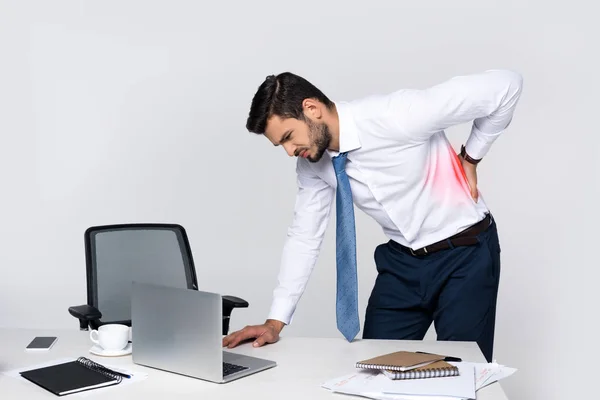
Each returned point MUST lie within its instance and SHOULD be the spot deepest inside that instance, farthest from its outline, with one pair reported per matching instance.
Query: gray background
(128, 111)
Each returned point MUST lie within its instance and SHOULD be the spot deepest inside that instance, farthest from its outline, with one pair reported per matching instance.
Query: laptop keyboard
(229, 369)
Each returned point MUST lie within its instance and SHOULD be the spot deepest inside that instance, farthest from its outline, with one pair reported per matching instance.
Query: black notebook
(72, 377)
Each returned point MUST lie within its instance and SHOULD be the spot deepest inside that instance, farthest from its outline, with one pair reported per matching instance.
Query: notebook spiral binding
(420, 374)
(378, 367)
(99, 368)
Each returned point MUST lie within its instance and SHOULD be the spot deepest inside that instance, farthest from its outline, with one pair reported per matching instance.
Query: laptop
(180, 330)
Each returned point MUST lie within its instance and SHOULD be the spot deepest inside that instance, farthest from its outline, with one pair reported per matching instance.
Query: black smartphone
(41, 343)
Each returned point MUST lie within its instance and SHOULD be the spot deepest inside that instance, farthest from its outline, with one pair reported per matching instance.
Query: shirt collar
(348, 132)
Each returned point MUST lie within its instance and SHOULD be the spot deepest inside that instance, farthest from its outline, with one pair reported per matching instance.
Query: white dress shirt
(403, 171)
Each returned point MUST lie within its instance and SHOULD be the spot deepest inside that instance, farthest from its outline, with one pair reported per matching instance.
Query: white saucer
(99, 351)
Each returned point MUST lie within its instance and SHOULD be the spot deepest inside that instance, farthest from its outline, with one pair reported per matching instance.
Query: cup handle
(92, 336)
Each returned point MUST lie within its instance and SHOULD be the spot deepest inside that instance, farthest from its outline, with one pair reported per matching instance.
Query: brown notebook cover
(399, 361)
(437, 369)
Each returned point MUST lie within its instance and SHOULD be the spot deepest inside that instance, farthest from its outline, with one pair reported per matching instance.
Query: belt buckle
(415, 254)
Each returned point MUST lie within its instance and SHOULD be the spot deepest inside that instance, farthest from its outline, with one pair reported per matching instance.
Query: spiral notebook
(73, 376)
(399, 361)
(436, 369)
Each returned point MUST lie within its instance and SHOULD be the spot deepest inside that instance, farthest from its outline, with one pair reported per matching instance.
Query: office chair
(116, 255)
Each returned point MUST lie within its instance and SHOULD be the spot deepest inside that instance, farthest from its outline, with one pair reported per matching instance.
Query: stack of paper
(375, 385)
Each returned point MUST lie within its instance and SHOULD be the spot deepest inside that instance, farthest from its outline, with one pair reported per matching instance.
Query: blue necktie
(347, 282)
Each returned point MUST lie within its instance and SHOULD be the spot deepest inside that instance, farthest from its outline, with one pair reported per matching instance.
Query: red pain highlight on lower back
(459, 172)
(447, 179)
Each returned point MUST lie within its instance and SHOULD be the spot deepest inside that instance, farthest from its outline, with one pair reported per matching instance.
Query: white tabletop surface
(304, 364)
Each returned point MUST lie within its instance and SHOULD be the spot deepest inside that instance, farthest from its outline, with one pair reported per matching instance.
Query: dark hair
(281, 95)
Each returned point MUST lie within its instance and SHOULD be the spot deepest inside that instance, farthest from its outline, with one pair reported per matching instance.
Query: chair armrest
(85, 313)
(229, 303)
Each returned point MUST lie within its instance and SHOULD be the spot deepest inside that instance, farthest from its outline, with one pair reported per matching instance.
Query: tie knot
(339, 162)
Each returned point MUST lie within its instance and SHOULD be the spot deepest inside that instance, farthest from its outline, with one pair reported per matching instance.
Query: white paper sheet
(374, 382)
(362, 383)
(486, 374)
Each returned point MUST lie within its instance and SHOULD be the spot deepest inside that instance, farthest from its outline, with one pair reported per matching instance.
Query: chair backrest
(117, 255)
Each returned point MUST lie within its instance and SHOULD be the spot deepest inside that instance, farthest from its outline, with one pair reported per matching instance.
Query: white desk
(303, 365)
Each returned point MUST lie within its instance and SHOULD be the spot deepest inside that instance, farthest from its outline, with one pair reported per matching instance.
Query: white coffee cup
(111, 337)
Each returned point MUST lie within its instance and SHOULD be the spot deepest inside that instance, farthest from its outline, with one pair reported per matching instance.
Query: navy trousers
(456, 289)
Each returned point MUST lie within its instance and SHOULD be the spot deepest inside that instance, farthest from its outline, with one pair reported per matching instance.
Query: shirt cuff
(478, 144)
(282, 310)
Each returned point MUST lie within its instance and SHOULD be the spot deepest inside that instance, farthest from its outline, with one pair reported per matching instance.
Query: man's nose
(289, 149)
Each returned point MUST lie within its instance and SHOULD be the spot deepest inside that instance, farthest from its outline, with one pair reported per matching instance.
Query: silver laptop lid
(177, 330)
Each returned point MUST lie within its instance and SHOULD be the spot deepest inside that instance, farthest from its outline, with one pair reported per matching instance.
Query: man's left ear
(312, 108)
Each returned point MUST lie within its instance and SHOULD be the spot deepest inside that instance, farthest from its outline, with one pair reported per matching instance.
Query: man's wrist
(467, 157)
(278, 325)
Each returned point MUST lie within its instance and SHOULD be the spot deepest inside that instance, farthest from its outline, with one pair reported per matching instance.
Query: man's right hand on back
(265, 333)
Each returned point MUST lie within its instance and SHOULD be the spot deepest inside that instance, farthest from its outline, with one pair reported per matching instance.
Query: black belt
(468, 237)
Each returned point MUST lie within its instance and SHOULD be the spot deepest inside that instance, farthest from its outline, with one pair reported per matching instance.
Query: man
(390, 156)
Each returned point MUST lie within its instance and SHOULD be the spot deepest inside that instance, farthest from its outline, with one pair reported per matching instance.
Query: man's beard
(320, 137)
